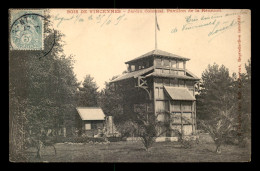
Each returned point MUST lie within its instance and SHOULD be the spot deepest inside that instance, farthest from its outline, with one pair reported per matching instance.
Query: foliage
(220, 127)
(216, 92)
(127, 128)
(42, 91)
(221, 95)
(147, 128)
(79, 139)
(110, 100)
(87, 95)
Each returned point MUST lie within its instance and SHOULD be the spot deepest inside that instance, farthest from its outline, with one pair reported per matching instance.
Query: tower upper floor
(163, 62)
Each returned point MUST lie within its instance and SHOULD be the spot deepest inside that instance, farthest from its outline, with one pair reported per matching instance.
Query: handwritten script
(102, 19)
(75, 18)
(216, 24)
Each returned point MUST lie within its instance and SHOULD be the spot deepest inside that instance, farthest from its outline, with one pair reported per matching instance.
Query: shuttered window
(158, 62)
(181, 73)
(175, 106)
(180, 63)
(189, 84)
(166, 81)
(181, 83)
(186, 105)
(173, 63)
(161, 93)
(166, 62)
(159, 106)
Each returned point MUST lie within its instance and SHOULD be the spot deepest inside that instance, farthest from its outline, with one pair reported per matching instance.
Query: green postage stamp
(26, 29)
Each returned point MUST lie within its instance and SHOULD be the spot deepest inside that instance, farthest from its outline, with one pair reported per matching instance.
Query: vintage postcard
(129, 85)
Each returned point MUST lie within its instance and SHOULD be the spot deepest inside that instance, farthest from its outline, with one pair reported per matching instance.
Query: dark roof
(159, 53)
(179, 93)
(133, 74)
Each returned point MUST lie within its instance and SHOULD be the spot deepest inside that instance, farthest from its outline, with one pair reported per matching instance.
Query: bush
(114, 139)
(79, 139)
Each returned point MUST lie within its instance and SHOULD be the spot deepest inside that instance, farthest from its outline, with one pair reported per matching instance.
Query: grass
(128, 151)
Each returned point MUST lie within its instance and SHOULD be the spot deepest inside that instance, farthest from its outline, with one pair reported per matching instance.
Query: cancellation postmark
(26, 29)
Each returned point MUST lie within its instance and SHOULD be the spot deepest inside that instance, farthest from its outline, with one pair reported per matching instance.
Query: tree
(219, 127)
(223, 104)
(110, 100)
(41, 91)
(215, 104)
(216, 93)
(88, 94)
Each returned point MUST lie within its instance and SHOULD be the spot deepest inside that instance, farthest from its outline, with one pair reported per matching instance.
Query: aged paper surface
(63, 62)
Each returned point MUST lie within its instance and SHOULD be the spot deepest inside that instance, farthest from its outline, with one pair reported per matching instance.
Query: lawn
(128, 151)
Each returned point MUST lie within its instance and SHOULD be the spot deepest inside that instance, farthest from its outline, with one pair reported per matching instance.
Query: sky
(102, 41)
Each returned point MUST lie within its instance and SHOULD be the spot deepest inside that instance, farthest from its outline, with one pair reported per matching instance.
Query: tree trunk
(54, 149)
(39, 146)
(64, 131)
(218, 150)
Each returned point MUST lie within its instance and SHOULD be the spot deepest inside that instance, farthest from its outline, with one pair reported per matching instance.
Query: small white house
(91, 117)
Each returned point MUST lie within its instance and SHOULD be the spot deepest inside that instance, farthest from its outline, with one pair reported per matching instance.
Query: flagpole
(155, 30)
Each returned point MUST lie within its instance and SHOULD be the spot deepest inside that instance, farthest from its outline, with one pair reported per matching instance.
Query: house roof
(172, 76)
(179, 93)
(91, 113)
(159, 53)
(133, 74)
(190, 73)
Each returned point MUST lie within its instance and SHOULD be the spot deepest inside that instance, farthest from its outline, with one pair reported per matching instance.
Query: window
(147, 64)
(189, 84)
(174, 72)
(87, 126)
(174, 82)
(187, 117)
(175, 105)
(166, 106)
(186, 106)
(159, 106)
(132, 67)
(136, 67)
(166, 82)
(162, 106)
(158, 62)
(143, 65)
(176, 118)
(158, 71)
(166, 71)
(180, 64)
(181, 73)
(156, 93)
(166, 62)
(158, 81)
(161, 93)
(181, 83)
(173, 63)
(128, 67)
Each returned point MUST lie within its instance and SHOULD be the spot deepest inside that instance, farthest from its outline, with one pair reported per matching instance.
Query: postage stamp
(26, 29)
